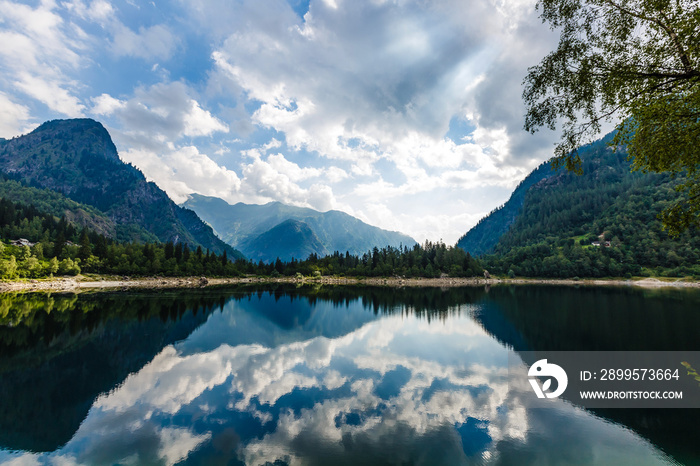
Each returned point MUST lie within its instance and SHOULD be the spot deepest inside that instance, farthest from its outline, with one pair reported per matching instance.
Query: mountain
(482, 238)
(602, 223)
(56, 204)
(486, 233)
(280, 240)
(78, 160)
(255, 228)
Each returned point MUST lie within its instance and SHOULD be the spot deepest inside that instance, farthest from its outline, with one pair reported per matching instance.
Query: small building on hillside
(21, 242)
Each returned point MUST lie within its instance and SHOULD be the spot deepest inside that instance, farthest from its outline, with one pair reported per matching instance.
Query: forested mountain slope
(78, 159)
(563, 215)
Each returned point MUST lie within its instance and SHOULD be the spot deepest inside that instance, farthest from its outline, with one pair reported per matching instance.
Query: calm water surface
(326, 375)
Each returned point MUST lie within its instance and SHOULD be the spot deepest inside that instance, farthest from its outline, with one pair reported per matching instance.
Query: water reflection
(318, 376)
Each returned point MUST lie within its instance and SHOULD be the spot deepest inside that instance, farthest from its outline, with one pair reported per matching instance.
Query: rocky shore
(81, 283)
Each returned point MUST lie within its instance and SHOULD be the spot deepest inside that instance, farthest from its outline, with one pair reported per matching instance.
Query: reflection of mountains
(281, 314)
(393, 391)
(59, 352)
(548, 318)
(54, 364)
(62, 351)
(545, 318)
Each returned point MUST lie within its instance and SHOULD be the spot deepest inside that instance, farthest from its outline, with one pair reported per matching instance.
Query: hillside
(563, 215)
(77, 159)
(482, 238)
(485, 234)
(290, 238)
(249, 227)
(56, 204)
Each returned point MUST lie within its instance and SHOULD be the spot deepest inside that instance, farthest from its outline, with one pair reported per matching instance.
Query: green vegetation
(76, 160)
(56, 204)
(564, 214)
(484, 235)
(56, 247)
(639, 59)
(430, 260)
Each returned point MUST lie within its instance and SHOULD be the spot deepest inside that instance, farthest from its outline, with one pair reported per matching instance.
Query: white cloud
(335, 174)
(41, 49)
(373, 72)
(105, 104)
(13, 117)
(183, 171)
(167, 109)
(176, 444)
(293, 171)
(155, 42)
(366, 90)
(264, 181)
(39, 37)
(199, 122)
(364, 83)
(98, 10)
(438, 226)
(51, 93)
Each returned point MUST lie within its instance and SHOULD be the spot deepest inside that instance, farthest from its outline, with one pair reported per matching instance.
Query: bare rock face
(203, 281)
(487, 275)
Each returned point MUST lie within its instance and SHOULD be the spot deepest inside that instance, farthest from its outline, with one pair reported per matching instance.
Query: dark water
(326, 376)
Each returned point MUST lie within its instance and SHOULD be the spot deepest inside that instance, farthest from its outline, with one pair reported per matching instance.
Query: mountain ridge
(78, 159)
(604, 222)
(241, 224)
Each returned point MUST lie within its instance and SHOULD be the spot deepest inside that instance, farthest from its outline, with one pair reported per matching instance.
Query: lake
(327, 375)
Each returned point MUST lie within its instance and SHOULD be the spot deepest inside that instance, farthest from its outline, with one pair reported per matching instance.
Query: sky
(406, 114)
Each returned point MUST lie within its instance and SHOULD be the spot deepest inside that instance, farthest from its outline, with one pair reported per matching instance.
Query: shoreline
(80, 283)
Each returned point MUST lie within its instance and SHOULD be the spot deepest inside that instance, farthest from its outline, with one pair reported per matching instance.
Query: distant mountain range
(602, 223)
(275, 230)
(71, 167)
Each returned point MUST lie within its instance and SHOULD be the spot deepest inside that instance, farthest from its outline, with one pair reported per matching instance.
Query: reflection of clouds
(171, 381)
(176, 444)
(256, 375)
(398, 389)
(28, 459)
(475, 391)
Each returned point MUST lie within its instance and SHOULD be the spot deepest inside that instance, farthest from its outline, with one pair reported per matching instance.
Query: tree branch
(682, 54)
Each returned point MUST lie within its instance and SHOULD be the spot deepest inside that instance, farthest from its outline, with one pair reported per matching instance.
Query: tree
(638, 60)
(85, 247)
(53, 266)
(59, 244)
(101, 246)
(8, 268)
(169, 250)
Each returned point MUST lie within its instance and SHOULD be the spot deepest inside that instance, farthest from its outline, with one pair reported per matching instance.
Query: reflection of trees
(59, 352)
(546, 318)
(428, 302)
(32, 320)
(550, 318)
(64, 350)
